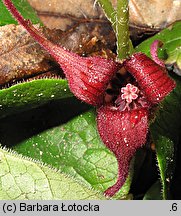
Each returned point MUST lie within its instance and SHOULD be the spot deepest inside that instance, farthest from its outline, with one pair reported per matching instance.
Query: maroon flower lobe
(87, 76)
(152, 79)
(123, 133)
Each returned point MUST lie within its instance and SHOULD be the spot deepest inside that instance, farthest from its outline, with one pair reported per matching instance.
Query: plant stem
(109, 11)
(122, 29)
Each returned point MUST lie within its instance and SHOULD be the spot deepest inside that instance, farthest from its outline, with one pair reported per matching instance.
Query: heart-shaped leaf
(22, 178)
(77, 150)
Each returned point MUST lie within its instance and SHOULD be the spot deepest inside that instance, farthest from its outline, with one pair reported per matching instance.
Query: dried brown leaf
(146, 17)
(154, 13)
(62, 14)
(20, 55)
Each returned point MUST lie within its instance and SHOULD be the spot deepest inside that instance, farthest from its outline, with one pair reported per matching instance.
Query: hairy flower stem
(119, 19)
(109, 11)
(122, 29)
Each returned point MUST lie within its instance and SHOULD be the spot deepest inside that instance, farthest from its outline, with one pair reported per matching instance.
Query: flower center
(129, 93)
(127, 98)
(124, 94)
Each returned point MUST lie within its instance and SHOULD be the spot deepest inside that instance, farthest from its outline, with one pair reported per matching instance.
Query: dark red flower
(123, 119)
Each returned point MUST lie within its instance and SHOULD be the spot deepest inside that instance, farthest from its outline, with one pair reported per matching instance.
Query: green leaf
(165, 155)
(22, 178)
(23, 7)
(171, 49)
(174, 57)
(165, 129)
(76, 149)
(154, 192)
(32, 94)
